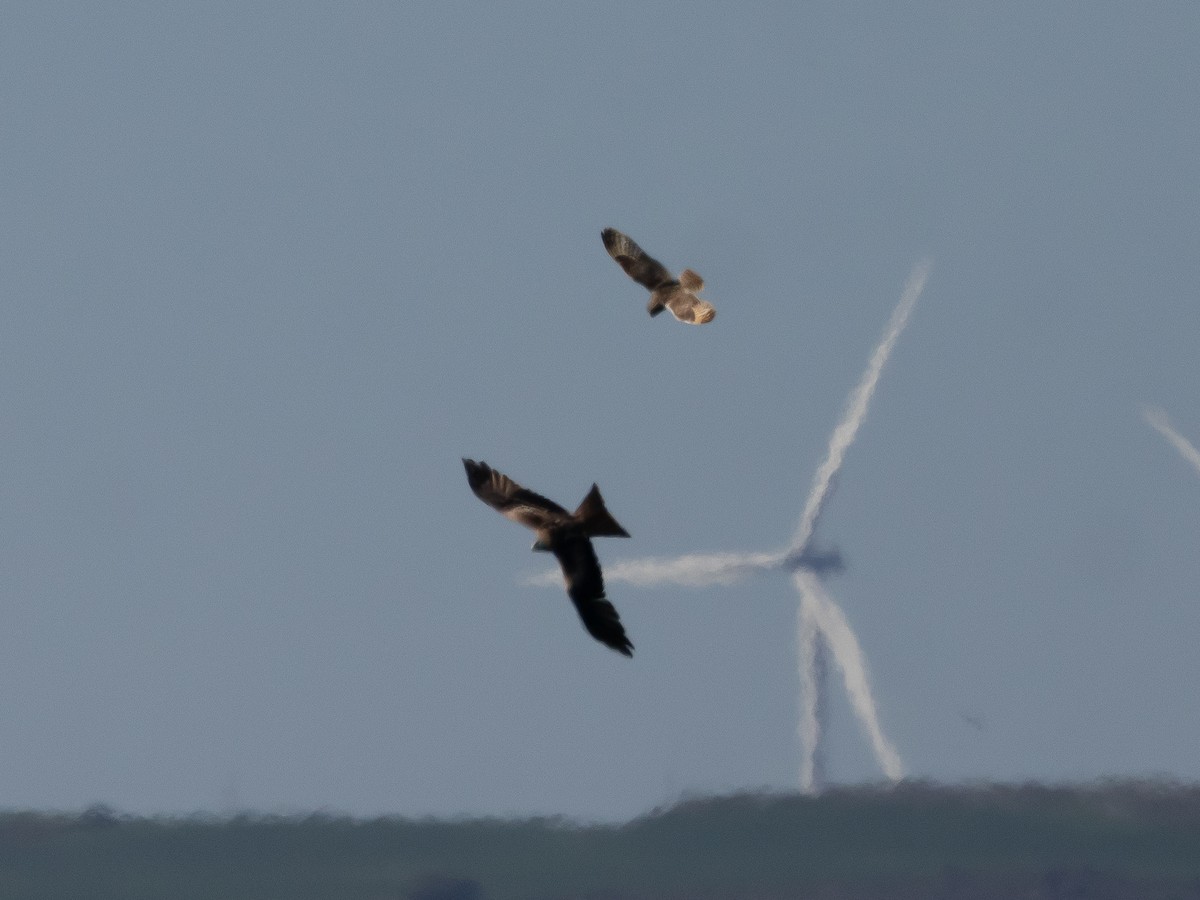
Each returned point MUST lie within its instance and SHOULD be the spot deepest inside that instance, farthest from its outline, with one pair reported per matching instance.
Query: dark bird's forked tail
(595, 518)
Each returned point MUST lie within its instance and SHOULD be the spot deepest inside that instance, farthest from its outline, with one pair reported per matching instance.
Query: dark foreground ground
(1135, 840)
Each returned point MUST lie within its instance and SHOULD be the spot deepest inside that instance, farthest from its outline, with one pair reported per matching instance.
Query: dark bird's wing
(585, 587)
(638, 265)
(511, 500)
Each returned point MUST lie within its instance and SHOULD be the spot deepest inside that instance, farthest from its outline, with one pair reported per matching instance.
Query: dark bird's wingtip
(477, 472)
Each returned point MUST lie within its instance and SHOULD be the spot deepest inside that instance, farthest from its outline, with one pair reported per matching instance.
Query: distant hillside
(1111, 842)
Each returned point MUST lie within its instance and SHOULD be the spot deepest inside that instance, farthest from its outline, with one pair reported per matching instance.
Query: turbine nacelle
(820, 562)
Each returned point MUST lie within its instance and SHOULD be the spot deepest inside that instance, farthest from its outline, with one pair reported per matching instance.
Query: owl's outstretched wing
(637, 263)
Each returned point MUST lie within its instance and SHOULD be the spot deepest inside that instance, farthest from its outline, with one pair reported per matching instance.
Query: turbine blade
(1157, 419)
(856, 410)
(691, 570)
(848, 654)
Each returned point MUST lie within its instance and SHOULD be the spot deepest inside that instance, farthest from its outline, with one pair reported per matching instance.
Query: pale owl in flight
(676, 294)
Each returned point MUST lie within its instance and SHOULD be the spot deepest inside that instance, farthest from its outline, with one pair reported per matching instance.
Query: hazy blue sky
(270, 270)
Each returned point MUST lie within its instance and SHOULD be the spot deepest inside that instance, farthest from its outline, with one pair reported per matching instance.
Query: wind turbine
(820, 622)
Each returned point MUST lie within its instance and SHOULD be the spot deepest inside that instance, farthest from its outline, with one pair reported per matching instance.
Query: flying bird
(567, 536)
(676, 294)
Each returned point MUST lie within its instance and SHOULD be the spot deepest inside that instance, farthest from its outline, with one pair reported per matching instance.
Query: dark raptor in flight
(567, 536)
